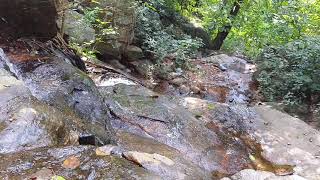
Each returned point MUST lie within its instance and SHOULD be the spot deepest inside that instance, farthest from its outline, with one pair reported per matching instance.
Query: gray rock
(116, 64)
(26, 165)
(123, 16)
(76, 27)
(134, 53)
(143, 67)
(155, 163)
(63, 86)
(163, 120)
(26, 123)
(181, 169)
(225, 62)
(250, 174)
(110, 48)
(286, 140)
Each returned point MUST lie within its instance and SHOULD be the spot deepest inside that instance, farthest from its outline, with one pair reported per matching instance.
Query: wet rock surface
(163, 120)
(284, 139)
(288, 140)
(219, 78)
(59, 84)
(26, 123)
(182, 168)
(226, 79)
(51, 104)
(27, 164)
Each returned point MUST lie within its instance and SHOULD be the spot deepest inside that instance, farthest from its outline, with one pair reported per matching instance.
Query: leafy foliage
(260, 23)
(291, 72)
(163, 41)
(94, 16)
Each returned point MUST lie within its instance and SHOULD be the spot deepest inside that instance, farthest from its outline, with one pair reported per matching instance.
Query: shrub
(291, 73)
(163, 41)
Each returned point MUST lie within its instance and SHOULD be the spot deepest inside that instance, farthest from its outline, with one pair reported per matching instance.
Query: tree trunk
(222, 35)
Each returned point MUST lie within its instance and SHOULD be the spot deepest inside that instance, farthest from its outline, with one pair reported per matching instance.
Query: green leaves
(163, 41)
(260, 23)
(290, 73)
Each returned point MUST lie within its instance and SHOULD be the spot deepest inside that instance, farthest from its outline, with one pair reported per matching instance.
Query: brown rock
(162, 87)
(178, 81)
(71, 163)
(195, 89)
(183, 89)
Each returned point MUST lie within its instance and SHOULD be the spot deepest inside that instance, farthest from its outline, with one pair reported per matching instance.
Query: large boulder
(53, 81)
(288, 140)
(76, 27)
(283, 139)
(140, 111)
(29, 18)
(26, 123)
(159, 158)
(123, 16)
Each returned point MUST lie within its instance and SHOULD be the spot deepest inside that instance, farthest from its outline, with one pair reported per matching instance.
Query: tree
(222, 35)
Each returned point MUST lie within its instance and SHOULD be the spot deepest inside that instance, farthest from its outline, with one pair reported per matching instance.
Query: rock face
(156, 163)
(26, 123)
(76, 27)
(122, 15)
(63, 86)
(288, 140)
(26, 18)
(284, 139)
(158, 118)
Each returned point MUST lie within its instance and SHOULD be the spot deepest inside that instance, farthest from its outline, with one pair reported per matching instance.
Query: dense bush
(291, 73)
(163, 41)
